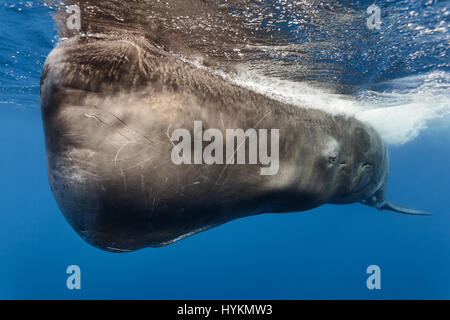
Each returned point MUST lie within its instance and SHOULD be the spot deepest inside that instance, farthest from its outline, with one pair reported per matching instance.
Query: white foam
(398, 116)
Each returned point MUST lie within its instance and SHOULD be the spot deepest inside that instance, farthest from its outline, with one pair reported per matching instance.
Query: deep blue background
(322, 254)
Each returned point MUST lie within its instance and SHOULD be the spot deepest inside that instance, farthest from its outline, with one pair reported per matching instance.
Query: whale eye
(330, 152)
(332, 159)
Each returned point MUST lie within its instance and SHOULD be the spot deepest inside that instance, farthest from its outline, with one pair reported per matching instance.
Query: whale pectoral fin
(387, 205)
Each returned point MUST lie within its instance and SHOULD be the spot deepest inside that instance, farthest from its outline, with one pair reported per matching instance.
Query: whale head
(361, 163)
(363, 172)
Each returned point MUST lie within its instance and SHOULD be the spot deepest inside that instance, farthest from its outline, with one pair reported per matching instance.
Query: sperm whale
(110, 103)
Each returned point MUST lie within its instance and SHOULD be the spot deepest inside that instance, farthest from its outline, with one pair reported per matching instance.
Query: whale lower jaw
(379, 201)
(391, 206)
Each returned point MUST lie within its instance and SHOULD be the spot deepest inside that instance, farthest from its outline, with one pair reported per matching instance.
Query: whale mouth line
(362, 180)
(378, 200)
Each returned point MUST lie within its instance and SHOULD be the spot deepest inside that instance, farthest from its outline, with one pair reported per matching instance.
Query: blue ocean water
(320, 254)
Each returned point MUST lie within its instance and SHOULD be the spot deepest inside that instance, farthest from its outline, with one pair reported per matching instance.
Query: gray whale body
(109, 102)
